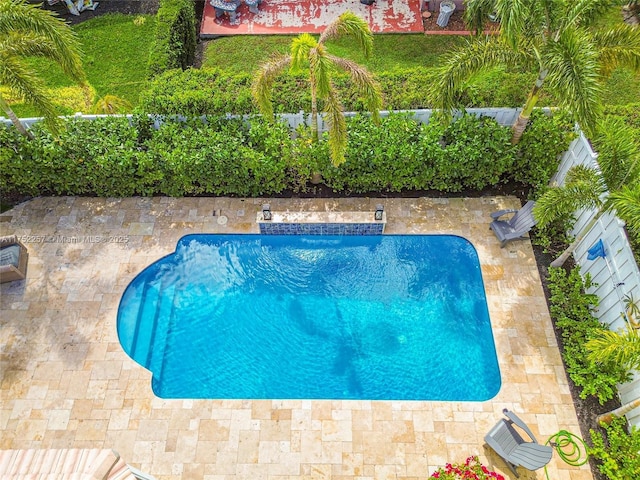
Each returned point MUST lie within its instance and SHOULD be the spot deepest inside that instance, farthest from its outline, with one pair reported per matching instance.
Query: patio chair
(513, 449)
(13, 259)
(516, 227)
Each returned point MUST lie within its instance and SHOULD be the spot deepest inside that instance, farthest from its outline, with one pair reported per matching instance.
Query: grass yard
(390, 52)
(115, 55)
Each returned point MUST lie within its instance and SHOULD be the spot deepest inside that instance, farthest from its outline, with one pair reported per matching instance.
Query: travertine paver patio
(67, 383)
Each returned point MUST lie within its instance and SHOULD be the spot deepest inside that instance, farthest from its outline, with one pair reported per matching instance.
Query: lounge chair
(517, 226)
(73, 463)
(13, 259)
(513, 449)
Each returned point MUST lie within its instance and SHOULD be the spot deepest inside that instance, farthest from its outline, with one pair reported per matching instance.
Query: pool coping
(66, 383)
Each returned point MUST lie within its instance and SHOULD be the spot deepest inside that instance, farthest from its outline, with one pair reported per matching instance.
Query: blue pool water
(313, 317)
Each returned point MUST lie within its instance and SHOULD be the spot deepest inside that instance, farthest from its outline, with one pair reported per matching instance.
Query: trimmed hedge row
(213, 92)
(571, 309)
(175, 41)
(113, 158)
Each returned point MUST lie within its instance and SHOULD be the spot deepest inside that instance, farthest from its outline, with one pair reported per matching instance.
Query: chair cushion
(10, 255)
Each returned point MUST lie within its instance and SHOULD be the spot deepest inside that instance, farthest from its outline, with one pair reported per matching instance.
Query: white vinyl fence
(617, 274)
(504, 116)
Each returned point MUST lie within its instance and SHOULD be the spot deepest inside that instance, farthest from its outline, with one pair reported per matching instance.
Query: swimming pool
(313, 317)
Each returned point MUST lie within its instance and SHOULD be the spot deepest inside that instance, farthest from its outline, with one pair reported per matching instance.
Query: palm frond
(477, 55)
(515, 16)
(583, 12)
(621, 348)
(582, 189)
(18, 76)
(618, 47)
(111, 104)
(22, 18)
(573, 67)
(262, 86)
(618, 153)
(321, 68)
(28, 45)
(477, 13)
(337, 127)
(626, 203)
(349, 24)
(300, 48)
(365, 84)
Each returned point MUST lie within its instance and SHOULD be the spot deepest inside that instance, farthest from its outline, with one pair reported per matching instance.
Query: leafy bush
(402, 154)
(87, 158)
(116, 156)
(472, 469)
(220, 158)
(571, 309)
(213, 91)
(617, 452)
(175, 40)
(543, 142)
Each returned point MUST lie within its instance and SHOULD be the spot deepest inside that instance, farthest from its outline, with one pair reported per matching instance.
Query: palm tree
(549, 38)
(586, 187)
(28, 31)
(312, 54)
(622, 348)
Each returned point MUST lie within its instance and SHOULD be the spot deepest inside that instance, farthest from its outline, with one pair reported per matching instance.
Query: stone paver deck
(66, 382)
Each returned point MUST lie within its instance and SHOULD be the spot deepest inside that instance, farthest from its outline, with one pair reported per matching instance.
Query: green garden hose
(571, 449)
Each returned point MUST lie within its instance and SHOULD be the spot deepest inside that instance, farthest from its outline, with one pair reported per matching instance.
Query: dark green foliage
(175, 40)
(221, 157)
(629, 113)
(543, 142)
(571, 308)
(617, 452)
(116, 156)
(400, 154)
(215, 92)
(88, 157)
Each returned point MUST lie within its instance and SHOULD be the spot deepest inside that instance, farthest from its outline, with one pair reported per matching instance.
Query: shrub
(116, 156)
(472, 469)
(543, 142)
(616, 453)
(571, 309)
(175, 41)
(214, 92)
(401, 154)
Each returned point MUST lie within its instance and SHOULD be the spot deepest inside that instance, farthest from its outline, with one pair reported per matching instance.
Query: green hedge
(175, 41)
(571, 308)
(113, 157)
(214, 92)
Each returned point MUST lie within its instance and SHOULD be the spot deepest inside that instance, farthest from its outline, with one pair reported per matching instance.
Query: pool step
(144, 328)
(158, 341)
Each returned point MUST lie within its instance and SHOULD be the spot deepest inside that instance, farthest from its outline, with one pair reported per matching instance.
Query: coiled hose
(570, 448)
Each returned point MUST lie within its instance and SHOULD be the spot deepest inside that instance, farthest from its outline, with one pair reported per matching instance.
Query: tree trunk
(618, 412)
(523, 119)
(314, 109)
(14, 119)
(558, 262)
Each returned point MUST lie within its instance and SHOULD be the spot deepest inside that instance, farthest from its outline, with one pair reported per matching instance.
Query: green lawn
(390, 52)
(115, 54)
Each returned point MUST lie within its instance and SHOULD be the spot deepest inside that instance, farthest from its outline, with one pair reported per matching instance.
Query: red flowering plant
(472, 469)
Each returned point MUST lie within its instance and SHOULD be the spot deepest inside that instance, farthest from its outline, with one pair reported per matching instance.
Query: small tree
(28, 31)
(587, 187)
(550, 39)
(309, 53)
